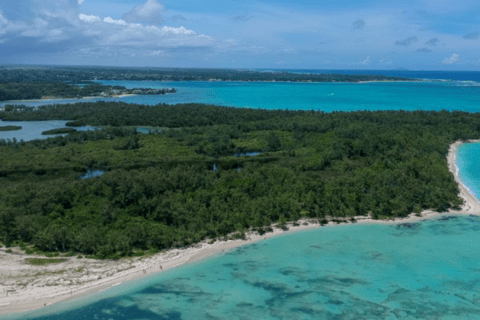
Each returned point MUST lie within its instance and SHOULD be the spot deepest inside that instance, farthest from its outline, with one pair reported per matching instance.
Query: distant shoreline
(60, 99)
(111, 273)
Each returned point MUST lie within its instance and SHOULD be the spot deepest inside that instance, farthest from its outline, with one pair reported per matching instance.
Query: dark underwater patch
(346, 282)
(408, 225)
(291, 271)
(244, 304)
(115, 311)
(448, 218)
(309, 311)
(335, 302)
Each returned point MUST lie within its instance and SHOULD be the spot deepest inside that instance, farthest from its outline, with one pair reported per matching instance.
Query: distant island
(58, 90)
(82, 75)
(10, 128)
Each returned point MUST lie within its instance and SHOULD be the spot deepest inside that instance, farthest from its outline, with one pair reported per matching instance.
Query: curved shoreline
(55, 285)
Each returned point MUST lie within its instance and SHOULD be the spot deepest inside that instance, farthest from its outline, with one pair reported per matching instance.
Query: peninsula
(12, 91)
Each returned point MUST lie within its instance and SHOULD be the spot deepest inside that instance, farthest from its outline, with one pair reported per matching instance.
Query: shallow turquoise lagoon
(431, 95)
(424, 270)
(468, 162)
(318, 96)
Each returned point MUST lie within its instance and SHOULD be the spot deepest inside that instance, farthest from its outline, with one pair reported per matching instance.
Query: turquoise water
(431, 95)
(468, 162)
(424, 270)
(409, 271)
(319, 96)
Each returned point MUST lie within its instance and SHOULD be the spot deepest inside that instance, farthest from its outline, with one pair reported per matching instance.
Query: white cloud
(366, 61)
(67, 30)
(87, 18)
(3, 21)
(149, 12)
(112, 21)
(80, 2)
(120, 33)
(452, 60)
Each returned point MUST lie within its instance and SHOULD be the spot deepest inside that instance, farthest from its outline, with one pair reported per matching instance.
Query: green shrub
(138, 253)
(42, 262)
(9, 251)
(59, 131)
(29, 251)
(51, 255)
(79, 256)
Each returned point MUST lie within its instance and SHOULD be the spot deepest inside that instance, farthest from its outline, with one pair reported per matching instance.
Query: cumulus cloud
(424, 50)
(471, 36)
(432, 42)
(452, 60)
(359, 24)
(89, 18)
(68, 31)
(120, 33)
(149, 12)
(406, 42)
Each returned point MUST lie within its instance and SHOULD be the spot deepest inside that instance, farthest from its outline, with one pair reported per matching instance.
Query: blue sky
(301, 34)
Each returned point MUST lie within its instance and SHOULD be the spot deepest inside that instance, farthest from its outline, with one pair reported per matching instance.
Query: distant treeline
(122, 114)
(38, 90)
(86, 74)
(160, 190)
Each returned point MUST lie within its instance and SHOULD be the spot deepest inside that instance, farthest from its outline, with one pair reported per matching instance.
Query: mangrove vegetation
(160, 190)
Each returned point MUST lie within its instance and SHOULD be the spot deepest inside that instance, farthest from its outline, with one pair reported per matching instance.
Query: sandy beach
(24, 287)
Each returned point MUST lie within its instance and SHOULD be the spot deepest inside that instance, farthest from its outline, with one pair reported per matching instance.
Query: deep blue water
(424, 270)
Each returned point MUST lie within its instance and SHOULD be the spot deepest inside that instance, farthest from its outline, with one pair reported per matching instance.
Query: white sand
(24, 287)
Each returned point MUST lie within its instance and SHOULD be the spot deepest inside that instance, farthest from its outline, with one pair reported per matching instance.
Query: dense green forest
(160, 190)
(122, 114)
(39, 90)
(87, 74)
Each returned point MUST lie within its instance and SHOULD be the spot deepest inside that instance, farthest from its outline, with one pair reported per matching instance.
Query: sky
(272, 34)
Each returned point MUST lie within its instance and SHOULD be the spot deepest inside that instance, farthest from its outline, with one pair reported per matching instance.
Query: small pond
(92, 174)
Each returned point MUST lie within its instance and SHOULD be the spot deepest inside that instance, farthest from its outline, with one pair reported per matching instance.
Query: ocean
(422, 270)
